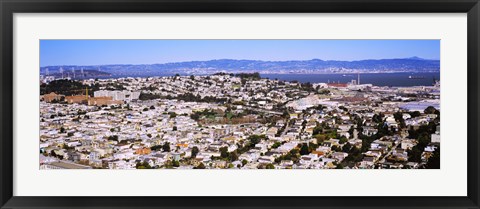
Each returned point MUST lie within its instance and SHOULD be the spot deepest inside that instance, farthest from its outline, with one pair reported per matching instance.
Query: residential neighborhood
(236, 121)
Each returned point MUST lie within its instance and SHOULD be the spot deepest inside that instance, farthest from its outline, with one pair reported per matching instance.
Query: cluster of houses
(116, 129)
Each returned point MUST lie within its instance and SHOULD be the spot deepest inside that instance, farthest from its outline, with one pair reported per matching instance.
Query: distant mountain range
(411, 64)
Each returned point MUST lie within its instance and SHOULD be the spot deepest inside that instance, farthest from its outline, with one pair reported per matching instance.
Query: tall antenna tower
(61, 71)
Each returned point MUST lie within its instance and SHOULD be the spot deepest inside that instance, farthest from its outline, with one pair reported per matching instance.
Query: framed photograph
(239, 104)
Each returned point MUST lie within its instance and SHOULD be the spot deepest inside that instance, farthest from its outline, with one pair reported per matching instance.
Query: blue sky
(100, 52)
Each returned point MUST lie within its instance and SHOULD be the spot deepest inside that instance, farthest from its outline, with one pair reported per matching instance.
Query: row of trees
(67, 87)
(205, 113)
(250, 143)
(165, 147)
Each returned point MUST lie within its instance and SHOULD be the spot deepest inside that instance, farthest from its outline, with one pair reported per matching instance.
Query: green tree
(270, 166)
(415, 154)
(224, 152)
(424, 139)
(415, 114)
(350, 131)
(336, 148)
(166, 147)
(233, 156)
(156, 147)
(113, 138)
(320, 138)
(195, 151)
(355, 155)
(343, 108)
(430, 110)
(317, 130)
(200, 166)
(143, 165)
(312, 147)
(255, 139)
(434, 160)
(377, 118)
(346, 148)
(399, 117)
(195, 116)
(304, 149)
(276, 145)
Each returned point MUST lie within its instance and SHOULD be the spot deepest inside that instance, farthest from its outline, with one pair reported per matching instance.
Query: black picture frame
(9, 7)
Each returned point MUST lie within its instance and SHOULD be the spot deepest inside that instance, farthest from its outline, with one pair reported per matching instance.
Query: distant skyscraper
(358, 79)
(46, 71)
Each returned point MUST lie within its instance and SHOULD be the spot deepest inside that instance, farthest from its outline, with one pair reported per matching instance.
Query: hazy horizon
(412, 57)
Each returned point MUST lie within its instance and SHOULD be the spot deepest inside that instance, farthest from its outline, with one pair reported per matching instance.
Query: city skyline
(105, 52)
